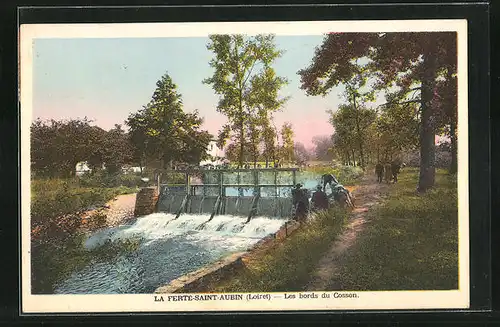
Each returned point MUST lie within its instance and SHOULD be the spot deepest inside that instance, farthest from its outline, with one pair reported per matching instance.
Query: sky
(107, 79)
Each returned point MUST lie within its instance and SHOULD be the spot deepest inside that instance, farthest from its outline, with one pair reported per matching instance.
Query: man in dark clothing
(387, 173)
(319, 199)
(300, 201)
(395, 168)
(328, 179)
(379, 171)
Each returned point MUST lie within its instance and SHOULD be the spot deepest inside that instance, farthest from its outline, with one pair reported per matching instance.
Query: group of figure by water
(304, 203)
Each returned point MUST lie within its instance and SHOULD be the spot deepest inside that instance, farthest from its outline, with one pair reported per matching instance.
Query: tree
(163, 131)
(397, 129)
(57, 146)
(408, 61)
(352, 128)
(245, 91)
(117, 150)
(301, 154)
(269, 136)
(323, 147)
(287, 147)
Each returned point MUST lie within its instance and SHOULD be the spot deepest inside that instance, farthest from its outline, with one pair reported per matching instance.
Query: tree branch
(396, 102)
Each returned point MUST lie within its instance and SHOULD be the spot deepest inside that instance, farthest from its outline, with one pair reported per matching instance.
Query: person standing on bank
(319, 199)
(387, 173)
(395, 168)
(379, 171)
(300, 201)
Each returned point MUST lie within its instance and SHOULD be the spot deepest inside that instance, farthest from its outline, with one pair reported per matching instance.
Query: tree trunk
(358, 130)
(453, 140)
(427, 133)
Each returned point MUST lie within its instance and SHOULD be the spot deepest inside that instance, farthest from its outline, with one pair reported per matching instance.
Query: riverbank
(62, 213)
(409, 242)
(277, 268)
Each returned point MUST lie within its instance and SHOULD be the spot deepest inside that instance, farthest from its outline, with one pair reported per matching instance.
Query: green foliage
(287, 146)
(162, 131)
(278, 269)
(324, 148)
(346, 175)
(411, 242)
(102, 179)
(352, 131)
(402, 65)
(248, 88)
(57, 146)
(51, 199)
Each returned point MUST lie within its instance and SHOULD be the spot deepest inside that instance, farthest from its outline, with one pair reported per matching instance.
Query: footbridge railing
(241, 192)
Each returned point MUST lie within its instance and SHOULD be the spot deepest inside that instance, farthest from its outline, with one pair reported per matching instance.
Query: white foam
(227, 231)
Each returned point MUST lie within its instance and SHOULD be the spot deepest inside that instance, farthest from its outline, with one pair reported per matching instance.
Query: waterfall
(168, 248)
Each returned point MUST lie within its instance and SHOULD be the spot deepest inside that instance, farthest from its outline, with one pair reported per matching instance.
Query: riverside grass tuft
(411, 242)
(288, 265)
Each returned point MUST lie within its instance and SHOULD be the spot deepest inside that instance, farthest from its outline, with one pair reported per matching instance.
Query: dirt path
(120, 209)
(117, 211)
(367, 194)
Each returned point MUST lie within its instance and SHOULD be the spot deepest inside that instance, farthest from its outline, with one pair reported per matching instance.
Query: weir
(236, 192)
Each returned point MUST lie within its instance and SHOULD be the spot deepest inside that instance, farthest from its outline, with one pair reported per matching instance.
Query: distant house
(82, 168)
(216, 156)
(131, 170)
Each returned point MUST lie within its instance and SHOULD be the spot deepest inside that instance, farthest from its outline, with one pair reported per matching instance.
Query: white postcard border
(388, 300)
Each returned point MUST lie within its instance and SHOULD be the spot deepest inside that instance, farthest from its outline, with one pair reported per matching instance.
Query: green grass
(51, 198)
(288, 265)
(57, 248)
(411, 243)
(346, 175)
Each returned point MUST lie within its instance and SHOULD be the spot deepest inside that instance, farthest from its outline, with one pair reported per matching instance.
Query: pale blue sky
(106, 79)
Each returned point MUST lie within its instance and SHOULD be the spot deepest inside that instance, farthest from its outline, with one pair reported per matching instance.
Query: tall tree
(287, 147)
(246, 83)
(163, 131)
(269, 137)
(117, 150)
(408, 61)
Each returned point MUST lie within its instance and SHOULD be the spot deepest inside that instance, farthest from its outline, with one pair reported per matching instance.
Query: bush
(103, 179)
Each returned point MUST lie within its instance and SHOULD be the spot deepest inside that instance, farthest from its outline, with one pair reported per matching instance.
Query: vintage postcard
(250, 166)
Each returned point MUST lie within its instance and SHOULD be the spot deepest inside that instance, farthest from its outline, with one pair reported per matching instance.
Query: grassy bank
(412, 242)
(51, 198)
(346, 175)
(288, 265)
(56, 240)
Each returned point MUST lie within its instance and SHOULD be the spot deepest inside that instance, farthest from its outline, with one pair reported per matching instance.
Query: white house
(82, 168)
(216, 155)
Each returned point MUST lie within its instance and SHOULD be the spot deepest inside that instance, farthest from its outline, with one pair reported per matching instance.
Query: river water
(168, 248)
